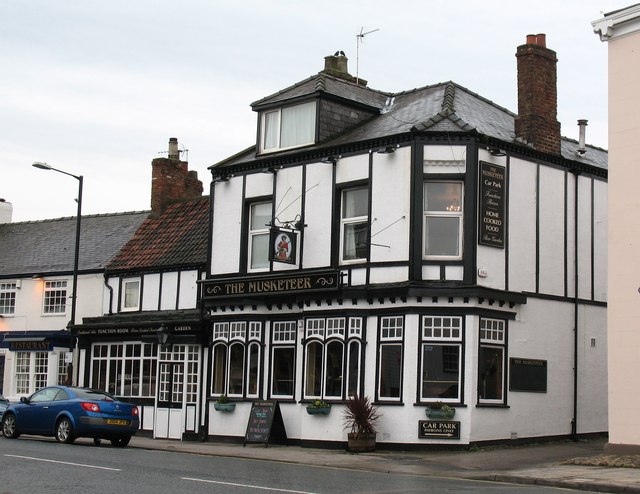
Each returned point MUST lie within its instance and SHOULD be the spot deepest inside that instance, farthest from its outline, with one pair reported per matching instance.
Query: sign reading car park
(438, 429)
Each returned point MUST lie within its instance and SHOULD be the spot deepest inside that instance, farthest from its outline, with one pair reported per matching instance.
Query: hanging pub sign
(283, 246)
(491, 215)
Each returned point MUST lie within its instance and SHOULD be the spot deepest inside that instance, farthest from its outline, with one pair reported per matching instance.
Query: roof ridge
(84, 216)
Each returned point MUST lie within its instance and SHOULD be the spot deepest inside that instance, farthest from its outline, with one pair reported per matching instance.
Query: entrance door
(176, 400)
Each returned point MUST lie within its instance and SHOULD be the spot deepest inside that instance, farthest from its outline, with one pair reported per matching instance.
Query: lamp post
(76, 253)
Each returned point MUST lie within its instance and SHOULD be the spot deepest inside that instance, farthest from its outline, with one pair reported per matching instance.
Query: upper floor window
(354, 225)
(288, 127)
(8, 298)
(443, 216)
(55, 297)
(131, 294)
(491, 361)
(259, 218)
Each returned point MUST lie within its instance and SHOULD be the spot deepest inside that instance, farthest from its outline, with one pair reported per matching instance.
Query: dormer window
(288, 127)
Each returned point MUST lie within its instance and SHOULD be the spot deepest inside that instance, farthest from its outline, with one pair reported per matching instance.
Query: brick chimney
(337, 66)
(537, 122)
(171, 180)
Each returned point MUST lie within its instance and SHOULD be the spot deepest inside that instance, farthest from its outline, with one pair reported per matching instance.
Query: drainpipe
(574, 420)
(110, 288)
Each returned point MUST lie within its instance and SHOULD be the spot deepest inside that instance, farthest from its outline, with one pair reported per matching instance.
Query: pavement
(580, 465)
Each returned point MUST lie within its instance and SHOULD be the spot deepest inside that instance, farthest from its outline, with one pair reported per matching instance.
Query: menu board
(491, 215)
(265, 424)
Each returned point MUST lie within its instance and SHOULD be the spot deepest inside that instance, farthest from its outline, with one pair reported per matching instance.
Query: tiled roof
(48, 246)
(178, 237)
(443, 107)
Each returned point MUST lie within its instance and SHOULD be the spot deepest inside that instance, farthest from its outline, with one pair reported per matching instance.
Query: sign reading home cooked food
(438, 429)
(491, 216)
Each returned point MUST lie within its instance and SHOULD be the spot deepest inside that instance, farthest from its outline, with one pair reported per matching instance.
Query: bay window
(236, 358)
(491, 361)
(441, 359)
(328, 368)
(390, 347)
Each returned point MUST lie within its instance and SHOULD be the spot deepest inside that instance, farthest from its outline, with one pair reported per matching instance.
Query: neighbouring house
(621, 30)
(36, 272)
(146, 343)
(416, 247)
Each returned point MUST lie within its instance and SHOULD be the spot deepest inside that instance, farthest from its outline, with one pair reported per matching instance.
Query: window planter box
(439, 414)
(224, 407)
(318, 410)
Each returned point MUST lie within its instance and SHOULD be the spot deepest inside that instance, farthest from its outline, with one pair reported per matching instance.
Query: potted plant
(440, 410)
(222, 404)
(360, 418)
(318, 407)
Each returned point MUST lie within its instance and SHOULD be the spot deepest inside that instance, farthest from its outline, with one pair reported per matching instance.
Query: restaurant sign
(491, 228)
(278, 285)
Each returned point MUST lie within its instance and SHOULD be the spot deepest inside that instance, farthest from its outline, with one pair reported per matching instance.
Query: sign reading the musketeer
(491, 215)
(309, 282)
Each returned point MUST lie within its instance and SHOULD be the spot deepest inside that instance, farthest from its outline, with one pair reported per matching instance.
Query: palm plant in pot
(360, 418)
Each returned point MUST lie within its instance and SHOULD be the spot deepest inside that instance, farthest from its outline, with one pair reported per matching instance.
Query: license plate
(117, 422)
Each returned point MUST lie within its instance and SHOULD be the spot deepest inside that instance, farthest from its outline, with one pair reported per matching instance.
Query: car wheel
(9, 429)
(97, 441)
(64, 431)
(120, 442)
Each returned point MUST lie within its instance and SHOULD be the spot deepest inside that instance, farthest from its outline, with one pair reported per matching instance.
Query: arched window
(330, 371)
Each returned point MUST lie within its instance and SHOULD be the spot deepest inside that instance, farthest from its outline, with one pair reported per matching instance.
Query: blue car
(69, 412)
(4, 403)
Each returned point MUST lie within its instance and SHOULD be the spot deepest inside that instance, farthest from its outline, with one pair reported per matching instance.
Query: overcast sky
(97, 88)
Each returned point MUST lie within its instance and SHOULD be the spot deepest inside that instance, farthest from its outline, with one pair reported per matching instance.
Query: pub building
(414, 247)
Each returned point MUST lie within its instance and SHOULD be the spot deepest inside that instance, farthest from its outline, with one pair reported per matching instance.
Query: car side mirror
(24, 399)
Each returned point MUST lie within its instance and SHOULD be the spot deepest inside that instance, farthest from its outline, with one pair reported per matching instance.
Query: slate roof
(48, 246)
(178, 237)
(442, 107)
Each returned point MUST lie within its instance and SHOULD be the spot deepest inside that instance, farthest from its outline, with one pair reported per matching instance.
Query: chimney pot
(174, 153)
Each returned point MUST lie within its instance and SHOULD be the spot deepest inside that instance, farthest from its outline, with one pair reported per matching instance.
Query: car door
(34, 416)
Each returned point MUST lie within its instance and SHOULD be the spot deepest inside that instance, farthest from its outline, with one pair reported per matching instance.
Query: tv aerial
(360, 39)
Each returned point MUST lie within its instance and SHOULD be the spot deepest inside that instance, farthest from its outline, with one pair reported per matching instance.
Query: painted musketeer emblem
(283, 246)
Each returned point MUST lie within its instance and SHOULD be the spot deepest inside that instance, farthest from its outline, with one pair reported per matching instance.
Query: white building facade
(413, 248)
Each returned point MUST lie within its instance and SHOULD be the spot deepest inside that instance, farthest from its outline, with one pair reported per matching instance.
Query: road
(40, 465)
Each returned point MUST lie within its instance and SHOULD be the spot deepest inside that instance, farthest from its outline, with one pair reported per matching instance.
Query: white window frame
(351, 221)
(111, 363)
(274, 117)
(256, 231)
(31, 371)
(493, 336)
(8, 292)
(48, 294)
(129, 305)
(283, 337)
(453, 211)
(439, 331)
(246, 334)
(391, 335)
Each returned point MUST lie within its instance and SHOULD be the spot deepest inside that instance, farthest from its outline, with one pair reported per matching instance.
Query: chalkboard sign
(265, 424)
(528, 375)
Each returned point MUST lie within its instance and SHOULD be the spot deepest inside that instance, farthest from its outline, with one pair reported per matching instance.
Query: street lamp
(76, 254)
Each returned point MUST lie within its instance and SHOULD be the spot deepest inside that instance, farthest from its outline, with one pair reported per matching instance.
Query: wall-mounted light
(495, 151)
(164, 335)
(37, 277)
(386, 149)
